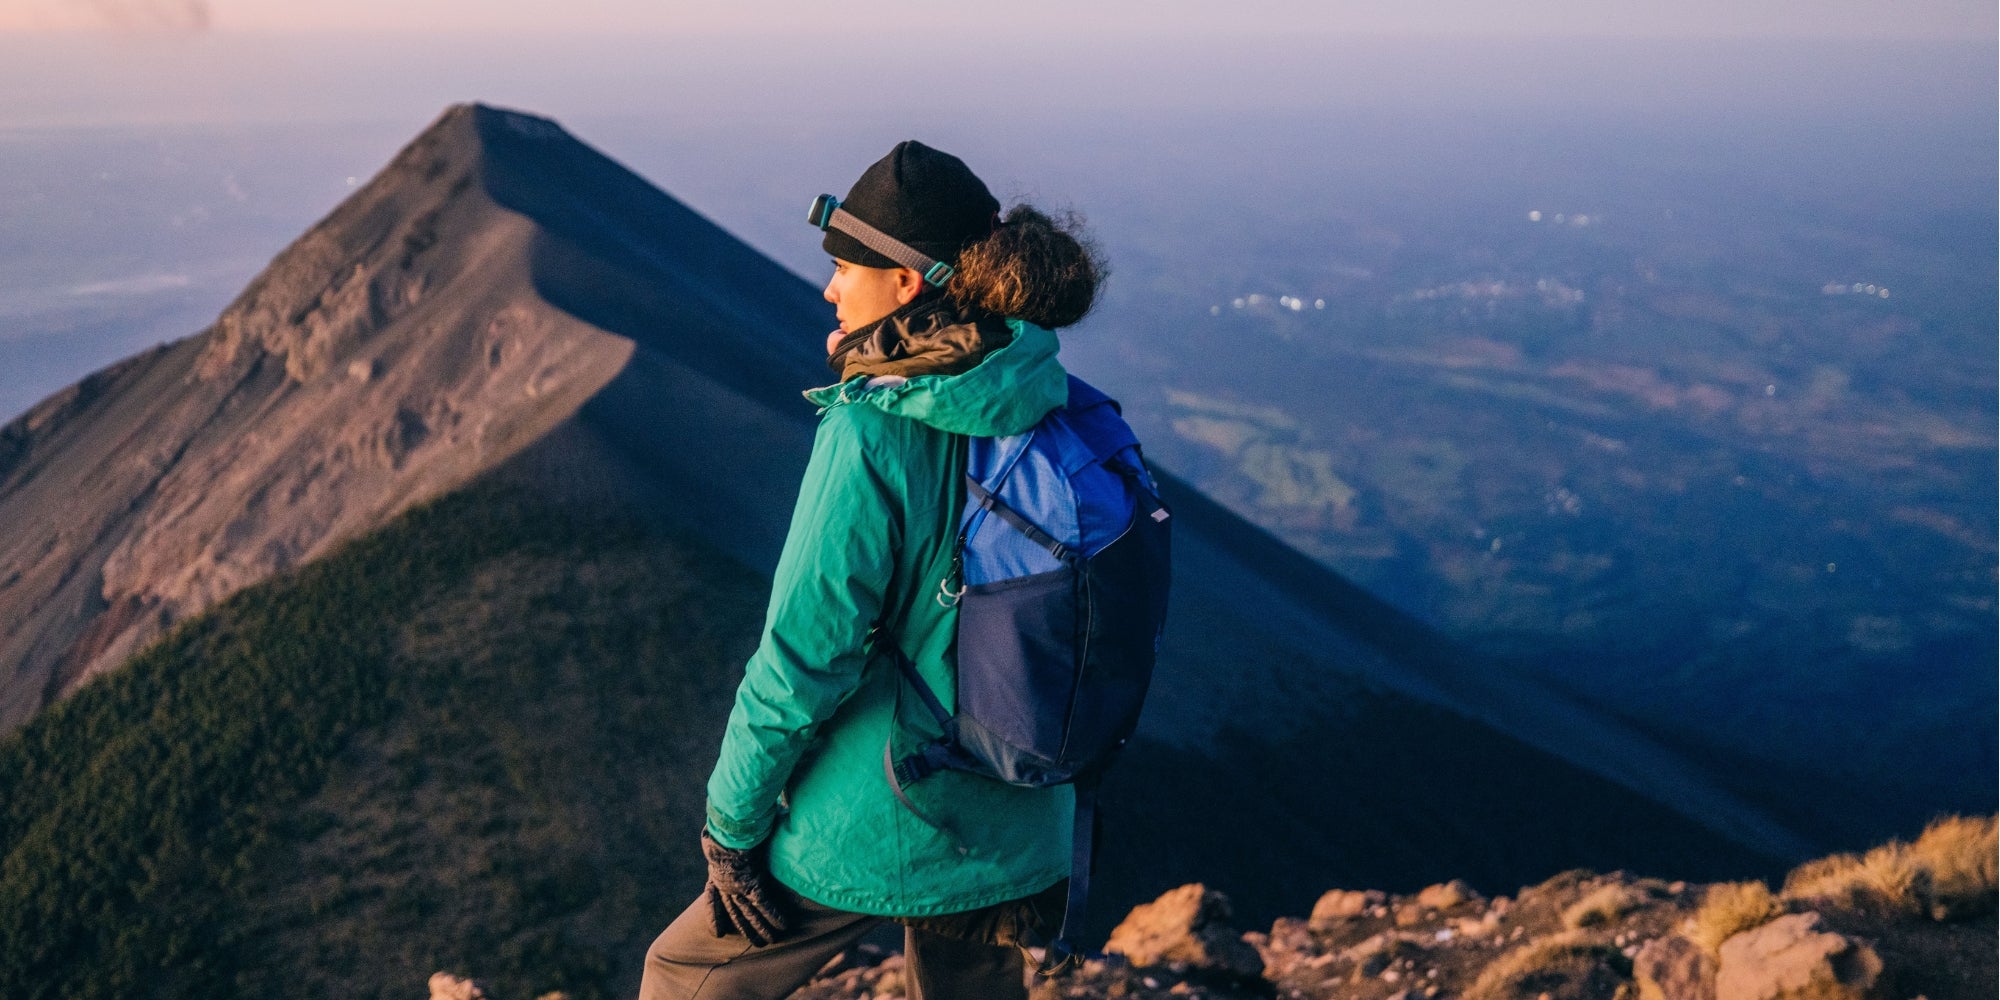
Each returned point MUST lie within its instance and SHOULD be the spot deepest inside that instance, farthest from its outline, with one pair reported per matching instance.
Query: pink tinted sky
(112, 62)
(1963, 20)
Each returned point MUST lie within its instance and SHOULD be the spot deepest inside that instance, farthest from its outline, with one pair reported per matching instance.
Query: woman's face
(862, 295)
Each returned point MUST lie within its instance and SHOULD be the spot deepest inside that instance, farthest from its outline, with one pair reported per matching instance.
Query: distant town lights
(1865, 289)
(1295, 303)
(1562, 218)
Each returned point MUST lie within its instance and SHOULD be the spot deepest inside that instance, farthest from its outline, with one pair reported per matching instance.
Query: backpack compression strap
(1061, 954)
(915, 767)
(991, 501)
(942, 826)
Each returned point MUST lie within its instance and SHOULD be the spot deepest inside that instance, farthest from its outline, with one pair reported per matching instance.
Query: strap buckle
(1059, 958)
(912, 769)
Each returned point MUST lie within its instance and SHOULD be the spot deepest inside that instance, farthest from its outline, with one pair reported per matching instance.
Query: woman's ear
(908, 284)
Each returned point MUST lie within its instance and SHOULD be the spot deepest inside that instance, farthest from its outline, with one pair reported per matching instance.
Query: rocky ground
(1902, 922)
(1577, 936)
(1364, 945)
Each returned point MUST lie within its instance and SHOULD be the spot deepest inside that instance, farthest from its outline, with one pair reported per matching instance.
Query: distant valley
(1656, 456)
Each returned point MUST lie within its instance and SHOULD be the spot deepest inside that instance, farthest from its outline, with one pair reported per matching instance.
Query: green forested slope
(474, 741)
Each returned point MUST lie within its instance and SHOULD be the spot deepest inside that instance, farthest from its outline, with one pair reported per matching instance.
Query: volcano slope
(440, 554)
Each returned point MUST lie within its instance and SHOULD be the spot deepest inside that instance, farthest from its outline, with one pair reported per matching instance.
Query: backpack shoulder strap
(1083, 396)
(931, 757)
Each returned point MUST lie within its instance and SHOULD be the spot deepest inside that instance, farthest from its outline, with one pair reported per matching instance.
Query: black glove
(742, 897)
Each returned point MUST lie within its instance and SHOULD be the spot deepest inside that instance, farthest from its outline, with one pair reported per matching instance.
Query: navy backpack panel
(1061, 582)
(1061, 588)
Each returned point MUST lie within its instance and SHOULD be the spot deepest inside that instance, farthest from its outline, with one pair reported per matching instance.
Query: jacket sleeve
(827, 592)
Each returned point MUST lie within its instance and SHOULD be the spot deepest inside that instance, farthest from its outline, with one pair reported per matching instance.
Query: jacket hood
(929, 336)
(1006, 393)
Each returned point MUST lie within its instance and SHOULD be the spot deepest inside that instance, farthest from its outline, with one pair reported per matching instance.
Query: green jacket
(871, 538)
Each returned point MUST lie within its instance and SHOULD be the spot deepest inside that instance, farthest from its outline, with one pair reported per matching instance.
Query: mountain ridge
(130, 541)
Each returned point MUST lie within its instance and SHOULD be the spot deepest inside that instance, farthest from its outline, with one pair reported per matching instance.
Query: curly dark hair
(1033, 267)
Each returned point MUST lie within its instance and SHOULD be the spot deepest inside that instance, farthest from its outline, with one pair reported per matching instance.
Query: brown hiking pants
(687, 962)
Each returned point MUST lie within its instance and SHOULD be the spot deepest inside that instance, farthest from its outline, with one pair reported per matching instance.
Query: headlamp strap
(827, 214)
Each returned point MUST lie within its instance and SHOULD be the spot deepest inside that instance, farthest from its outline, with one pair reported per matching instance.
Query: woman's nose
(827, 294)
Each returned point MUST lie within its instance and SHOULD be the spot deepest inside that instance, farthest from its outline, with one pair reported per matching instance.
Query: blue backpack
(1060, 576)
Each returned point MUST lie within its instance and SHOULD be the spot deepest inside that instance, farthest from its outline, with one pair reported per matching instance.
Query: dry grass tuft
(1566, 966)
(1729, 909)
(1948, 874)
(1962, 856)
(1849, 881)
(1606, 904)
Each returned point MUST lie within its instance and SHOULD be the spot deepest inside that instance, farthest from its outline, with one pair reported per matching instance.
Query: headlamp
(821, 214)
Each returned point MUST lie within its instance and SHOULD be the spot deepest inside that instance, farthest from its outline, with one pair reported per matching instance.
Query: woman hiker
(808, 847)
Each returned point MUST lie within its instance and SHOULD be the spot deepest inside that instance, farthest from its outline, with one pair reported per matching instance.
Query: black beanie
(924, 198)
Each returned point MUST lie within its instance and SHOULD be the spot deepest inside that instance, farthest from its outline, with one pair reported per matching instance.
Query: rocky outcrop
(1446, 896)
(1674, 968)
(1444, 941)
(1796, 958)
(1188, 926)
(1635, 945)
(445, 986)
(1338, 906)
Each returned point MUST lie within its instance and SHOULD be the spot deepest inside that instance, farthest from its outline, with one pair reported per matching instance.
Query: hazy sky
(1967, 20)
(91, 62)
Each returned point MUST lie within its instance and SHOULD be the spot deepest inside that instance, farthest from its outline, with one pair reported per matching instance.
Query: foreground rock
(1188, 926)
(1674, 968)
(1575, 936)
(445, 986)
(1795, 958)
(1578, 935)
(1341, 905)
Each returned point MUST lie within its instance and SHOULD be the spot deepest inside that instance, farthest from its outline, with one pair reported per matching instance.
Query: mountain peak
(378, 253)
(460, 306)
